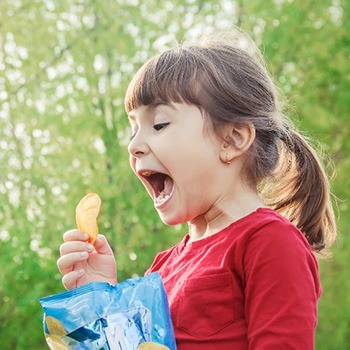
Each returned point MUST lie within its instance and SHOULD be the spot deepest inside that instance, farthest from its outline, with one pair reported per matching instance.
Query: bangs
(169, 77)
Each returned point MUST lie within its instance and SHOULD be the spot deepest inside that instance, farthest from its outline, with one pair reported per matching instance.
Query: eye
(160, 126)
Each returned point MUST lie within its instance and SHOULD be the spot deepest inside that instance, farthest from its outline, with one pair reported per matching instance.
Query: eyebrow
(153, 107)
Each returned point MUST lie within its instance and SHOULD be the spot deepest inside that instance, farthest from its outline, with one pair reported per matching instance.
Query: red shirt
(253, 285)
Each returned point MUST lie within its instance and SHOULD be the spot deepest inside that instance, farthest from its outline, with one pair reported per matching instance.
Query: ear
(237, 140)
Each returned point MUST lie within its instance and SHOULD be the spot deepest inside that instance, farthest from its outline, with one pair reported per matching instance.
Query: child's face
(176, 160)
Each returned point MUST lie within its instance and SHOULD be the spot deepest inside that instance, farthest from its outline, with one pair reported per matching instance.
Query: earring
(227, 161)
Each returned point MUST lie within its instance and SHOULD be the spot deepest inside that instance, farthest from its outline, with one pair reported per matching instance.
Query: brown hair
(232, 86)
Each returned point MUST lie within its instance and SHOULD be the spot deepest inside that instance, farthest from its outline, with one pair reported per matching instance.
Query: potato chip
(86, 214)
(54, 326)
(152, 346)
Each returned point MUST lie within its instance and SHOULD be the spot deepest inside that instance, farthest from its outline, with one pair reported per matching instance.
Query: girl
(212, 148)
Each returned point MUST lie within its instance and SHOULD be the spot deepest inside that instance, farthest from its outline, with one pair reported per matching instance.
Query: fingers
(75, 235)
(70, 280)
(75, 253)
(73, 250)
(66, 263)
(102, 246)
(77, 246)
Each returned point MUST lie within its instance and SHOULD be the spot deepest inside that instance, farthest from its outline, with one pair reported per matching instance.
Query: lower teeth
(162, 199)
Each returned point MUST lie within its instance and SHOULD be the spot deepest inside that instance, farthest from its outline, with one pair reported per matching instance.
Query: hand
(81, 262)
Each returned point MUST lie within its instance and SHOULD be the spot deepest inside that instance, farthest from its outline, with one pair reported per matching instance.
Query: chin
(171, 221)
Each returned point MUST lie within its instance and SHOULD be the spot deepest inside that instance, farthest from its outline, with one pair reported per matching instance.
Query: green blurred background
(64, 68)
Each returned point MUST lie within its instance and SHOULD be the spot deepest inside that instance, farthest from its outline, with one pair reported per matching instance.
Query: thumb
(102, 246)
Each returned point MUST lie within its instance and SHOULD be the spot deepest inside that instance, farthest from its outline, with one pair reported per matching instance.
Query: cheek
(132, 162)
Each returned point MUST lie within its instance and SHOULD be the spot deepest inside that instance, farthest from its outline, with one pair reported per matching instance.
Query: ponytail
(301, 190)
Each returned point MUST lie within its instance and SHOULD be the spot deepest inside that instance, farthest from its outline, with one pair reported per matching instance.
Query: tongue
(168, 186)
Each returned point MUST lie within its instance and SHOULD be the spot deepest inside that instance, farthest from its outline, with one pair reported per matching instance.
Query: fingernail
(90, 247)
(85, 236)
(81, 272)
(84, 254)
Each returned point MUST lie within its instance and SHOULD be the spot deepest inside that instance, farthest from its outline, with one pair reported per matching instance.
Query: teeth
(161, 199)
(161, 195)
(148, 173)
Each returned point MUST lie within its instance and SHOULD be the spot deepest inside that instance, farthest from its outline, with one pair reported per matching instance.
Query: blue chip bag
(101, 316)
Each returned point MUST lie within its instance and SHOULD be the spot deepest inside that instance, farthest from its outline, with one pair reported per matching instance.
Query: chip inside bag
(131, 315)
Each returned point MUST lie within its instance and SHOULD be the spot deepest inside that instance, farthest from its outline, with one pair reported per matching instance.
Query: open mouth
(161, 184)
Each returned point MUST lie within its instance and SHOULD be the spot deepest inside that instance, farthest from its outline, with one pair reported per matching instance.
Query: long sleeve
(282, 289)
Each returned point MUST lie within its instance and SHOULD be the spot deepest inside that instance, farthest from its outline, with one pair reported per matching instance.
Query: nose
(138, 146)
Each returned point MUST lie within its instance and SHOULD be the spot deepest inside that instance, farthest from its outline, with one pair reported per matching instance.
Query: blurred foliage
(64, 68)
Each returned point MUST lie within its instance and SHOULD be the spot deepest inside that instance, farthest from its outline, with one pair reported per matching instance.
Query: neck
(222, 214)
